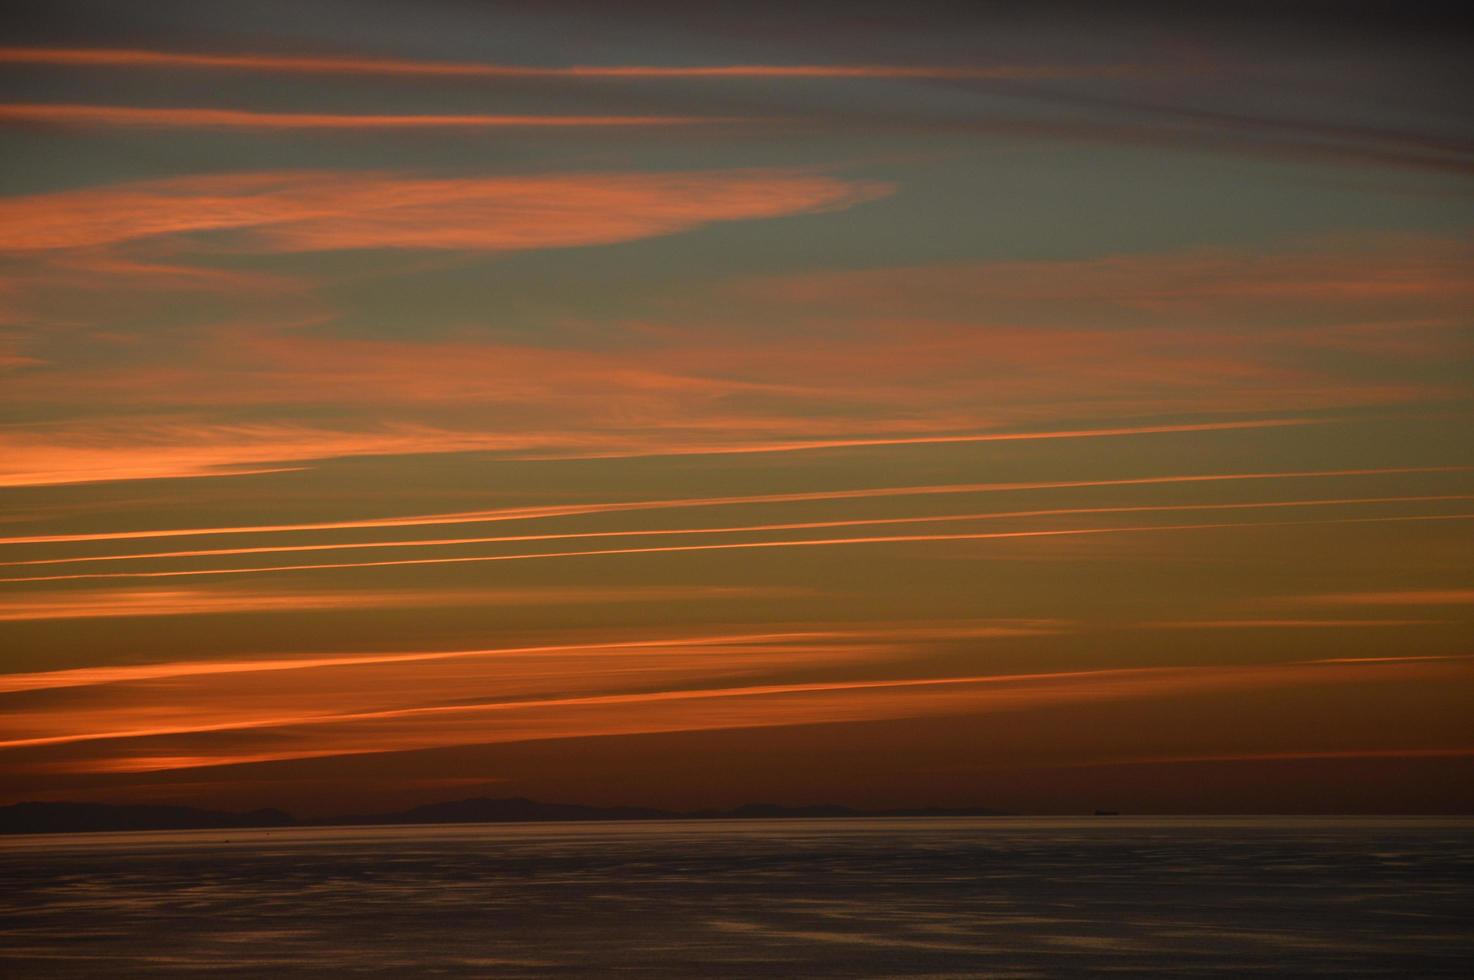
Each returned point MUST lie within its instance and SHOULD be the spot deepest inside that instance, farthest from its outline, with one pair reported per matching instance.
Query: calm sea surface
(993, 897)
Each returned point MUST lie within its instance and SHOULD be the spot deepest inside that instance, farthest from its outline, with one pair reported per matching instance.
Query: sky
(1028, 406)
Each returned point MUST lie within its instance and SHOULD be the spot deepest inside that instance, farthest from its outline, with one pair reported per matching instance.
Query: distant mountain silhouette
(61, 818)
(760, 811)
(511, 809)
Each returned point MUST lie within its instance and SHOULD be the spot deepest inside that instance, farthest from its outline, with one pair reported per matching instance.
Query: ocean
(986, 897)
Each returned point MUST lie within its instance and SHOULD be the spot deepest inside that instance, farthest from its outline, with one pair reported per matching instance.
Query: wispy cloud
(53, 455)
(974, 353)
(160, 117)
(327, 210)
(140, 450)
(227, 734)
(537, 512)
(91, 676)
(113, 603)
(878, 636)
(1346, 279)
(738, 529)
(738, 545)
(1085, 115)
(142, 58)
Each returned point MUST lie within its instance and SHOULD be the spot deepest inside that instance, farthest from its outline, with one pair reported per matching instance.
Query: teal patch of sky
(1020, 202)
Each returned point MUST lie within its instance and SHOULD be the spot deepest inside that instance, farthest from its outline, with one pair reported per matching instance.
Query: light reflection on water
(991, 897)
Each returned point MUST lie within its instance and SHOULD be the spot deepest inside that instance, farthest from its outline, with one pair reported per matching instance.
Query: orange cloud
(877, 636)
(199, 118)
(229, 732)
(966, 354)
(147, 450)
(196, 602)
(847, 443)
(323, 210)
(966, 362)
(142, 449)
(602, 700)
(873, 381)
(91, 676)
(131, 702)
(1400, 296)
(99, 268)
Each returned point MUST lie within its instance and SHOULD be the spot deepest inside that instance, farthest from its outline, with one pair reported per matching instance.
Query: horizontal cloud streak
(738, 545)
(611, 507)
(322, 210)
(193, 602)
(91, 676)
(161, 117)
(691, 709)
(739, 529)
(58, 455)
(64, 454)
(1365, 278)
(852, 443)
(813, 635)
(653, 697)
(138, 58)
(969, 352)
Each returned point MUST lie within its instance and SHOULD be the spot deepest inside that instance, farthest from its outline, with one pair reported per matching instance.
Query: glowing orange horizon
(651, 697)
(765, 705)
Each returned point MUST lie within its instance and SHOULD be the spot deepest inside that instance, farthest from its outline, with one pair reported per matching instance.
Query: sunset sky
(689, 404)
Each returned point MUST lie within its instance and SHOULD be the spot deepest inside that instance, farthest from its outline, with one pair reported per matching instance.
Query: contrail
(732, 546)
(689, 694)
(90, 676)
(573, 510)
(740, 529)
